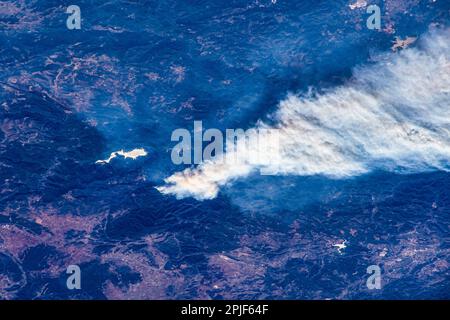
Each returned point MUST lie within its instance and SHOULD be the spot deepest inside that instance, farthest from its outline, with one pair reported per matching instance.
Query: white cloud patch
(393, 115)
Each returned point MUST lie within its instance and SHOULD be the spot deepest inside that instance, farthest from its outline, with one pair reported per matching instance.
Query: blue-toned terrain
(365, 117)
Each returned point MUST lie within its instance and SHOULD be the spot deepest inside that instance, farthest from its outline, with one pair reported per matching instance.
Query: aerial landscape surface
(89, 185)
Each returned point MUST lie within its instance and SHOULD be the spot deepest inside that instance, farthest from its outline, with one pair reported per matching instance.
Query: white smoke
(393, 115)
